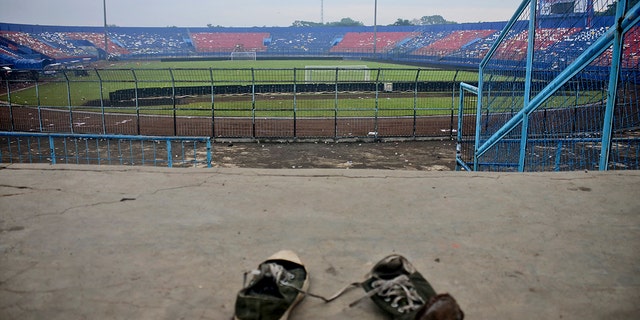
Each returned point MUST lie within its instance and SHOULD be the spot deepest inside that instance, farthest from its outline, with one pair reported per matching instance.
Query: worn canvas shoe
(274, 289)
(397, 288)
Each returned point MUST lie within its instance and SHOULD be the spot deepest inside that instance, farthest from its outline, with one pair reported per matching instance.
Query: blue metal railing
(55, 148)
(531, 101)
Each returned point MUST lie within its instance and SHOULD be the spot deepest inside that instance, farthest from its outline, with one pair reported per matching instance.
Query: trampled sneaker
(274, 289)
(397, 288)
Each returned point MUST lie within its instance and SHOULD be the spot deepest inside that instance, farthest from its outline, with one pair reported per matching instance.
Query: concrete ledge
(153, 243)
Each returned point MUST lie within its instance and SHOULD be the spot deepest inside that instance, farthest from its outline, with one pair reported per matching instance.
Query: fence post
(10, 104)
(453, 101)
(208, 153)
(69, 101)
(38, 105)
(614, 75)
(415, 104)
(459, 133)
(556, 167)
(213, 108)
(173, 100)
(52, 150)
(135, 82)
(527, 85)
(253, 103)
(169, 154)
(104, 122)
(376, 104)
(335, 108)
(295, 104)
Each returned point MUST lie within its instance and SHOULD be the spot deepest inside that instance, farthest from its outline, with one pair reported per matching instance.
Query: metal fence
(581, 114)
(295, 103)
(56, 148)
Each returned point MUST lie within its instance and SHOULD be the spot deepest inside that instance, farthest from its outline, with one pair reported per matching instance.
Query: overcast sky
(244, 13)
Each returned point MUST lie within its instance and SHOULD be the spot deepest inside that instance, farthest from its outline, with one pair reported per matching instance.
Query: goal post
(327, 74)
(243, 55)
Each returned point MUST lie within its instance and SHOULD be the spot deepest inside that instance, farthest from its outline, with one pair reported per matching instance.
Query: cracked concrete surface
(80, 242)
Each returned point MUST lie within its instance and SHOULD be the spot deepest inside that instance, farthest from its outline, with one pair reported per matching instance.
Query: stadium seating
(455, 41)
(301, 41)
(420, 39)
(362, 42)
(161, 42)
(515, 47)
(632, 48)
(34, 45)
(97, 39)
(456, 44)
(472, 52)
(229, 41)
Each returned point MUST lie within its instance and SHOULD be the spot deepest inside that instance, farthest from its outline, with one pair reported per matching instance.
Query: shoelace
(283, 277)
(395, 291)
(272, 270)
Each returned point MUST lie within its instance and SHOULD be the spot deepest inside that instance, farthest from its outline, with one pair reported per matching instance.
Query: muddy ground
(433, 155)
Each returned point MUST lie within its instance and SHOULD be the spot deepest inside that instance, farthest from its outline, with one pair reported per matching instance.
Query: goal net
(332, 74)
(244, 55)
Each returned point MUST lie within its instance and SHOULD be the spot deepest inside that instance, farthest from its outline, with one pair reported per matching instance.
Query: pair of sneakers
(282, 281)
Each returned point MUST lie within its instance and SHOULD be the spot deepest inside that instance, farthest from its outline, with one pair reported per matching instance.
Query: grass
(348, 107)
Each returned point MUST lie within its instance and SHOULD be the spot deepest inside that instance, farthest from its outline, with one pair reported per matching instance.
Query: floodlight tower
(322, 11)
(375, 28)
(106, 45)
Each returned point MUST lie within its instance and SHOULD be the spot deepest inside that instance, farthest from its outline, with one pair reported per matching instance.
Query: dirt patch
(436, 155)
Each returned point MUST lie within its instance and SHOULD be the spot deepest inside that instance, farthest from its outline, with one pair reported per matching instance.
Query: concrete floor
(88, 242)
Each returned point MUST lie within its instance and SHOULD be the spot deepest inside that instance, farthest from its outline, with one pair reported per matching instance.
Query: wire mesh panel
(568, 124)
(466, 126)
(234, 103)
(118, 114)
(193, 97)
(104, 149)
(355, 104)
(546, 90)
(315, 103)
(274, 103)
(397, 103)
(155, 103)
(32, 105)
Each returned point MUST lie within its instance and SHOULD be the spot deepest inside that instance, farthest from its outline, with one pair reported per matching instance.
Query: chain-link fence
(299, 103)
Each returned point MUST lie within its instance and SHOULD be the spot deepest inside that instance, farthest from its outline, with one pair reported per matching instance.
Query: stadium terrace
(451, 45)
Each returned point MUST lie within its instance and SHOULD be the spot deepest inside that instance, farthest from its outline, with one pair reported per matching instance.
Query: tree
(301, 23)
(345, 22)
(433, 20)
(402, 22)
